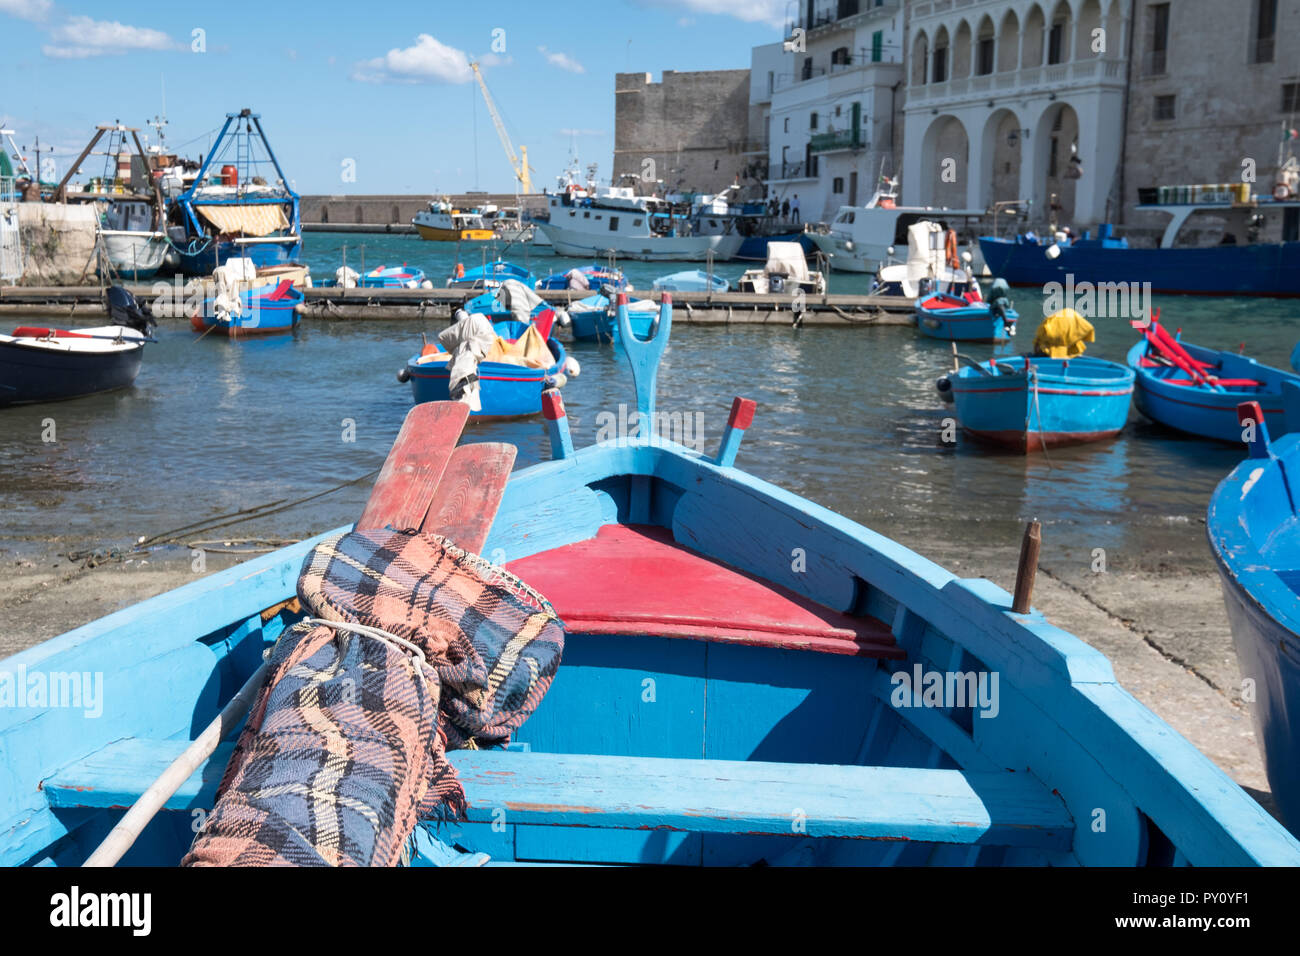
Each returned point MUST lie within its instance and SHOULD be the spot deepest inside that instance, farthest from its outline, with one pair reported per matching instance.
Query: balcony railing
(839, 139)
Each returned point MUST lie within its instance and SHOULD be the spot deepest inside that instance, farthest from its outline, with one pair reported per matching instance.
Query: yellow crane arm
(520, 168)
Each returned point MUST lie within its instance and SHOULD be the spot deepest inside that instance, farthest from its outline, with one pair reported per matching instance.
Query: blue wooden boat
(596, 276)
(691, 280)
(239, 206)
(593, 319)
(506, 390)
(1197, 390)
(967, 318)
(1254, 528)
(716, 704)
(489, 276)
(265, 310)
(1031, 403)
(392, 277)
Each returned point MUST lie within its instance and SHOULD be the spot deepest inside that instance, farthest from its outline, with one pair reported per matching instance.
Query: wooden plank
(468, 497)
(683, 795)
(407, 483)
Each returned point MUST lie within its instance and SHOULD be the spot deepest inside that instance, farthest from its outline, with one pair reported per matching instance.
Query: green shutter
(877, 45)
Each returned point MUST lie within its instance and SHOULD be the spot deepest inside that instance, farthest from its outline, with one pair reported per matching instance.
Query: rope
(1033, 383)
(378, 634)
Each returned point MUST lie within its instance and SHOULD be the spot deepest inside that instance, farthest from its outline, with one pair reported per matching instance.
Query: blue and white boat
(691, 280)
(506, 390)
(715, 704)
(594, 319)
(592, 277)
(1031, 403)
(270, 309)
(967, 318)
(1237, 264)
(1197, 390)
(1254, 528)
(392, 277)
(489, 275)
(240, 205)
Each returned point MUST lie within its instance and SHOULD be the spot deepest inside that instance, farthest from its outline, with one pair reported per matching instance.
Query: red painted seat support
(635, 579)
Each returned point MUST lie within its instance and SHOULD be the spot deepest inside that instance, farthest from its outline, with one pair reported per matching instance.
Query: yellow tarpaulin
(263, 219)
(1063, 334)
(529, 349)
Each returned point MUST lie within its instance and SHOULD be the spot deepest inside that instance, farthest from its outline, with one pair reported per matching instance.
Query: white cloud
(34, 10)
(561, 60)
(80, 37)
(771, 12)
(428, 61)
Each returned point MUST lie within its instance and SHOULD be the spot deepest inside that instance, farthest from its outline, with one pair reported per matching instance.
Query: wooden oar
(469, 494)
(406, 484)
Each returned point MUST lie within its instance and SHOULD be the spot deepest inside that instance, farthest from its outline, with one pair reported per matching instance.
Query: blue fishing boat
(692, 280)
(239, 206)
(584, 277)
(640, 675)
(1197, 390)
(967, 318)
(392, 277)
(593, 319)
(489, 276)
(507, 389)
(1032, 402)
(1254, 528)
(264, 310)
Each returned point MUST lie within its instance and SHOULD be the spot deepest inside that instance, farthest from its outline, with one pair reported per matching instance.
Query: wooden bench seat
(638, 793)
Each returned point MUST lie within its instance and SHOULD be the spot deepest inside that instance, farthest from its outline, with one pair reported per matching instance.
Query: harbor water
(848, 417)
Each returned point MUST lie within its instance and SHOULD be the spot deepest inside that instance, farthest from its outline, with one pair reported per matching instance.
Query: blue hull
(1271, 270)
(505, 391)
(207, 257)
(260, 315)
(754, 248)
(1207, 413)
(964, 323)
(1066, 402)
(600, 326)
(38, 375)
(1254, 533)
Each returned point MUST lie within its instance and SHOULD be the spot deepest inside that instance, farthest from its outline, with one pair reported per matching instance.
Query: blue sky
(383, 84)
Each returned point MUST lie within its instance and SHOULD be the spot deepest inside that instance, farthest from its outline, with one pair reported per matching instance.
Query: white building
(1016, 99)
(822, 104)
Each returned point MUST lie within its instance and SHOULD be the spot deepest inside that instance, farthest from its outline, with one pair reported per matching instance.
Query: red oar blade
(469, 495)
(407, 482)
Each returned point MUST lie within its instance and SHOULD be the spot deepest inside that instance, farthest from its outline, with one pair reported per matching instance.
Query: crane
(519, 163)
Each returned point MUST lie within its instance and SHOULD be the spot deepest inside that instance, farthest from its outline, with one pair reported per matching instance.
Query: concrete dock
(706, 308)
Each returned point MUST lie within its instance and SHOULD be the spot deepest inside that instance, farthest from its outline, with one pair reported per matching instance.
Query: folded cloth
(468, 339)
(345, 749)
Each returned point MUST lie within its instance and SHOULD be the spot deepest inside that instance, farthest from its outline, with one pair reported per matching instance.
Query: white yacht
(859, 237)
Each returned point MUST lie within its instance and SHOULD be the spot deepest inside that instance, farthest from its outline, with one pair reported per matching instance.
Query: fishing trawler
(442, 222)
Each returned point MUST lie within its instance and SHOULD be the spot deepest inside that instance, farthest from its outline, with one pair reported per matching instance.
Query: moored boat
(1253, 524)
(39, 364)
(595, 319)
(580, 278)
(262, 310)
(510, 378)
(927, 267)
(1197, 390)
(691, 280)
(490, 275)
(392, 277)
(713, 704)
(1033, 402)
(967, 318)
(786, 270)
(442, 222)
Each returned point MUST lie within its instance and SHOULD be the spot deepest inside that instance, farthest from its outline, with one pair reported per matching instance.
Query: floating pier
(704, 308)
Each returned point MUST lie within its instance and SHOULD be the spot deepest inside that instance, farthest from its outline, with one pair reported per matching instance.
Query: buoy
(426, 284)
(944, 387)
(571, 367)
(1053, 251)
(460, 270)
(403, 374)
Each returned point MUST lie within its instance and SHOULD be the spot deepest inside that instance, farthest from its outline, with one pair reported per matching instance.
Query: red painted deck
(634, 579)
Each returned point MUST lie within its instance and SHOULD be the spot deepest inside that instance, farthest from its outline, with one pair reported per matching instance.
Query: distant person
(794, 208)
(785, 208)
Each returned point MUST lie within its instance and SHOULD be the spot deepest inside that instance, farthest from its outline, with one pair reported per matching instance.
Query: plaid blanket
(344, 750)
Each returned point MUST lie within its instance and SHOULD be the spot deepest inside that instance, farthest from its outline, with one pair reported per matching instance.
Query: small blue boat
(967, 318)
(593, 319)
(1197, 390)
(1031, 403)
(692, 280)
(264, 310)
(506, 390)
(715, 704)
(391, 277)
(489, 276)
(596, 277)
(1254, 528)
